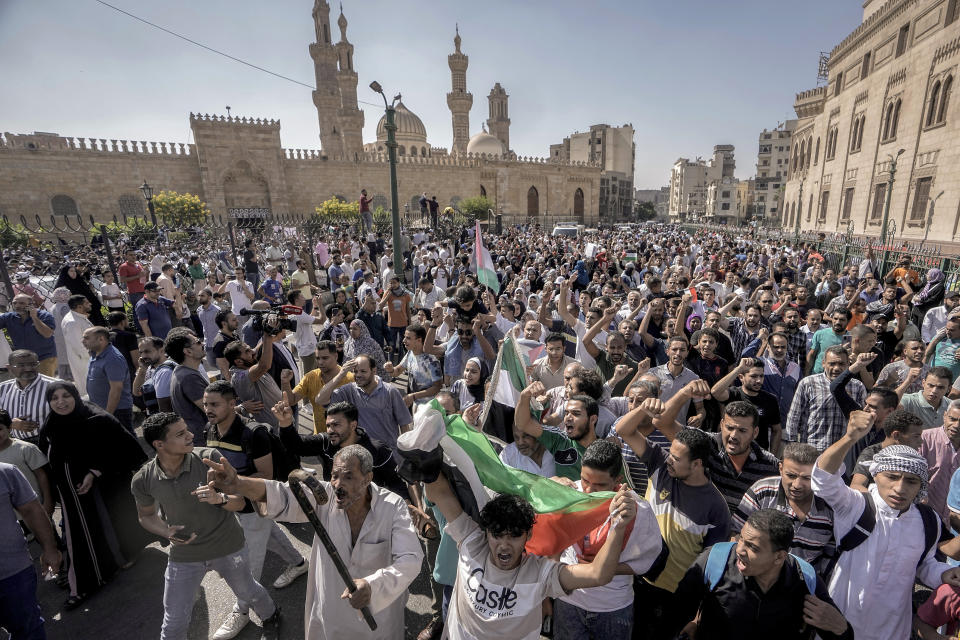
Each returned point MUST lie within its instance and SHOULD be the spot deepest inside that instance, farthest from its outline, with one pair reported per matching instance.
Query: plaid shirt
(741, 335)
(797, 347)
(815, 417)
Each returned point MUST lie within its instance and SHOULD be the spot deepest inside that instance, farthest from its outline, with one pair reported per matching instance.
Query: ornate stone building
(888, 97)
(237, 164)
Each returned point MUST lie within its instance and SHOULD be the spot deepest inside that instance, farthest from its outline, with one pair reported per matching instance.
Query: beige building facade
(773, 161)
(239, 167)
(691, 179)
(614, 150)
(888, 105)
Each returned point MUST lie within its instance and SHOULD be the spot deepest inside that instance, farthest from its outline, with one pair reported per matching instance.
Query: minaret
(498, 123)
(350, 117)
(326, 97)
(458, 99)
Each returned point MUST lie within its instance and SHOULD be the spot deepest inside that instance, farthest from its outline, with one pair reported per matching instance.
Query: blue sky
(687, 74)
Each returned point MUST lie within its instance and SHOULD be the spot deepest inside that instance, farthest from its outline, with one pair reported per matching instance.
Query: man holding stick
(370, 529)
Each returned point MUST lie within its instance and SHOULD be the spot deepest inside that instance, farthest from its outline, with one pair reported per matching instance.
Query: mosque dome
(409, 126)
(486, 143)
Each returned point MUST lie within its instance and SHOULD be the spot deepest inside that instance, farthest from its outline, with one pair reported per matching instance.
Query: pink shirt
(942, 460)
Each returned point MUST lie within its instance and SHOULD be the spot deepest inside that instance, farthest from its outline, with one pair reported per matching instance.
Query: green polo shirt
(218, 530)
(568, 454)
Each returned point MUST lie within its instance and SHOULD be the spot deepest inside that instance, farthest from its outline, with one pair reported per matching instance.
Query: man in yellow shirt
(313, 381)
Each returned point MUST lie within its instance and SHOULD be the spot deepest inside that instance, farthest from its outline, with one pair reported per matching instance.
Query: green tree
(645, 211)
(475, 208)
(13, 235)
(180, 208)
(336, 211)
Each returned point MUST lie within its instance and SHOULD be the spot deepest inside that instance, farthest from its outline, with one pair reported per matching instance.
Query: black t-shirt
(125, 342)
(220, 343)
(241, 444)
(249, 264)
(767, 407)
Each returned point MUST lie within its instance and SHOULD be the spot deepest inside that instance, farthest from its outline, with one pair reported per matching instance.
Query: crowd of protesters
(781, 437)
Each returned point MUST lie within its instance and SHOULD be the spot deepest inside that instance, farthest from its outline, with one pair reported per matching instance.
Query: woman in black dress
(76, 280)
(92, 460)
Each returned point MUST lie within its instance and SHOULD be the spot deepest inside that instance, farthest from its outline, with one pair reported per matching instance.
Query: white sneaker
(291, 573)
(232, 626)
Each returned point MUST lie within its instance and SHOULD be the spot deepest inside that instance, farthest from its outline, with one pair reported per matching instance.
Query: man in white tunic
(371, 529)
(73, 326)
(873, 582)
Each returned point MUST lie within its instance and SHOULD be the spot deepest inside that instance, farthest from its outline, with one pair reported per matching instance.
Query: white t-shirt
(305, 338)
(512, 457)
(490, 603)
(238, 300)
(582, 354)
(108, 290)
(640, 550)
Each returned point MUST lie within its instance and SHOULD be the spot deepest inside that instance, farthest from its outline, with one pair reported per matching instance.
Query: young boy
(499, 588)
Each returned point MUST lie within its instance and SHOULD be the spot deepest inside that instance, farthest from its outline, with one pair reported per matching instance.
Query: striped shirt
(813, 539)
(29, 403)
(733, 484)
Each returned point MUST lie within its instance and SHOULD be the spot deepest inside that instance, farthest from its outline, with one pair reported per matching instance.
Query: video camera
(274, 320)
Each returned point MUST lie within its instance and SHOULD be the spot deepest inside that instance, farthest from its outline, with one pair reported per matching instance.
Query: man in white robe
(74, 323)
(372, 531)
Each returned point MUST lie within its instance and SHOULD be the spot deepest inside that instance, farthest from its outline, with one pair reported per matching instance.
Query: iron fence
(848, 249)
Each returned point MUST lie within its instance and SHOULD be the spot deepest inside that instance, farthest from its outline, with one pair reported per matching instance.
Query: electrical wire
(216, 51)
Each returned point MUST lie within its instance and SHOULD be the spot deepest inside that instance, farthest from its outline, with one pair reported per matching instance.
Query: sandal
(74, 601)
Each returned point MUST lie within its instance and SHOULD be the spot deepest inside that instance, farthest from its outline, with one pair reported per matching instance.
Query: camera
(274, 320)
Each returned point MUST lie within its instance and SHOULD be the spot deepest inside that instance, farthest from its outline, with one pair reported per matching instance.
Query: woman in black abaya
(92, 460)
(74, 279)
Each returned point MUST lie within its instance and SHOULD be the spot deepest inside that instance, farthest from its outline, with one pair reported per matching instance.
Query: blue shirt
(272, 290)
(945, 356)
(156, 315)
(106, 367)
(25, 336)
(455, 358)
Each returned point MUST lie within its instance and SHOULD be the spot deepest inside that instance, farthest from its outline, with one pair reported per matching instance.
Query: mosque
(238, 166)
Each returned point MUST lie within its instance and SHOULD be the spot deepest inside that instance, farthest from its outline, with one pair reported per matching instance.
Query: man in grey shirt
(198, 520)
(382, 413)
(256, 389)
(187, 382)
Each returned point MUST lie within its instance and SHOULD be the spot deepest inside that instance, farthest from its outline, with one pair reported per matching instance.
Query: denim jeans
(19, 611)
(262, 534)
(254, 279)
(573, 623)
(182, 580)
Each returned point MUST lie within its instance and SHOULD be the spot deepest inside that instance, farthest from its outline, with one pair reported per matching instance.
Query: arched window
(854, 134)
(578, 204)
(809, 150)
(483, 191)
(816, 154)
(401, 150)
(131, 206)
(803, 146)
(533, 202)
(863, 123)
(945, 99)
(63, 206)
(932, 108)
(326, 33)
(896, 119)
(423, 151)
(887, 121)
(795, 149)
(413, 151)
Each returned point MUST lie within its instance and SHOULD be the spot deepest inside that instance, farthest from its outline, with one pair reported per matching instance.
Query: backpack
(283, 460)
(868, 520)
(720, 554)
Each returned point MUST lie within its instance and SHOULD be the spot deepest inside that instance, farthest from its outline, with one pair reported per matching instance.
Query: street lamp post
(391, 128)
(886, 208)
(147, 191)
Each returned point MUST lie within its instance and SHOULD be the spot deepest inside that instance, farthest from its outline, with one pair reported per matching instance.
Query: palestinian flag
(509, 375)
(564, 515)
(630, 256)
(486, 273)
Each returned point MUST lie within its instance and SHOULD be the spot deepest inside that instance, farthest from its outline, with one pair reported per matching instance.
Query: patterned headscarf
(900, 457)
